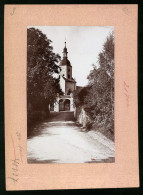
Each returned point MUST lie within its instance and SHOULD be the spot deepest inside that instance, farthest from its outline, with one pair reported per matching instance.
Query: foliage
(42, 86)
(79, 96)
(99, 101)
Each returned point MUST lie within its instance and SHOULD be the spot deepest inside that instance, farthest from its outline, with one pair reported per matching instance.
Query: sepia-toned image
(70, 94)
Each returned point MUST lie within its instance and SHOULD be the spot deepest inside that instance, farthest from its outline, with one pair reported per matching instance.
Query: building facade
(68, 85)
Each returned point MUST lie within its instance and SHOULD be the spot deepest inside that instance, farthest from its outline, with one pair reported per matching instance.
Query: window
(68, 76)
(68, 70)
(69, 91)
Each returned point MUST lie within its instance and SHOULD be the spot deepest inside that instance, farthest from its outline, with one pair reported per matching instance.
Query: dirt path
(63, 142)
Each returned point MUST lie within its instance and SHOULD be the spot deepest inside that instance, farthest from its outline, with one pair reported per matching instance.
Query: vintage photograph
(70, 94)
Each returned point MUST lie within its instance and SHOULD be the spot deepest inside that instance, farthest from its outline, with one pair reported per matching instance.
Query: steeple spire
(65, 51)
(65, 61)
(65, 41)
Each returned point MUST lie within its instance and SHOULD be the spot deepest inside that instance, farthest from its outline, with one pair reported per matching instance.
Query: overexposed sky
(83, 44)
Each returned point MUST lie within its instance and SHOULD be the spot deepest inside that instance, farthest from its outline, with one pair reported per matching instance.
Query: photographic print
(70, 94)
(71, 109)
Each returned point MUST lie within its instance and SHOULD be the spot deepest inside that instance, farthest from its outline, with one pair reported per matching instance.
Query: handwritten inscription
(21, 153)
(126, 10)
(20, 147)
(17, 160)
(126, 92)
(15, 169)
(13, 10)
(18, 135)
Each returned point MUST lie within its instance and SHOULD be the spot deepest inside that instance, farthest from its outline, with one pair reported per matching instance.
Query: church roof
(64, 62)
(69, 80)
(79, 88)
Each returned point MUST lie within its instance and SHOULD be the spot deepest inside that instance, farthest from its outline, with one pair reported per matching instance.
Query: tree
(42, 64)
(79, 95)
(100, 99)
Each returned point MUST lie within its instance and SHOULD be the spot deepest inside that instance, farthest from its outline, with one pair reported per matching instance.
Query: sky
(84, 43)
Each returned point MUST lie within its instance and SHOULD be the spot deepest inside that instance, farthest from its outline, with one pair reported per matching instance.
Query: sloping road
(61, 141)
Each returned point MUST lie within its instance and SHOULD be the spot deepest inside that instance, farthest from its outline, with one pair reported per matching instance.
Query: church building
(68, 85)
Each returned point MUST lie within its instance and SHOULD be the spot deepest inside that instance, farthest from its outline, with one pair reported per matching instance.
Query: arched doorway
(67, 105)
(64, 105)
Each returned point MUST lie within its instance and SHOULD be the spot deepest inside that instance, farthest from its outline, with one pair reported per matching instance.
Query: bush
(35, 117)
(89, 125)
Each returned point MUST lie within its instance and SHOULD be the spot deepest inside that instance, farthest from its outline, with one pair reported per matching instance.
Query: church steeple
(65, 52)
(65, 61)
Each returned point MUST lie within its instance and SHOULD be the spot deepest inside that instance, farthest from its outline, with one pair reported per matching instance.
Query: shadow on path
(61, 116)
(55, 117)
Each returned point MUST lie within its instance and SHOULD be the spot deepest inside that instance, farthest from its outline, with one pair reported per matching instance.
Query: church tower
(66, 65)
(68, 85)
